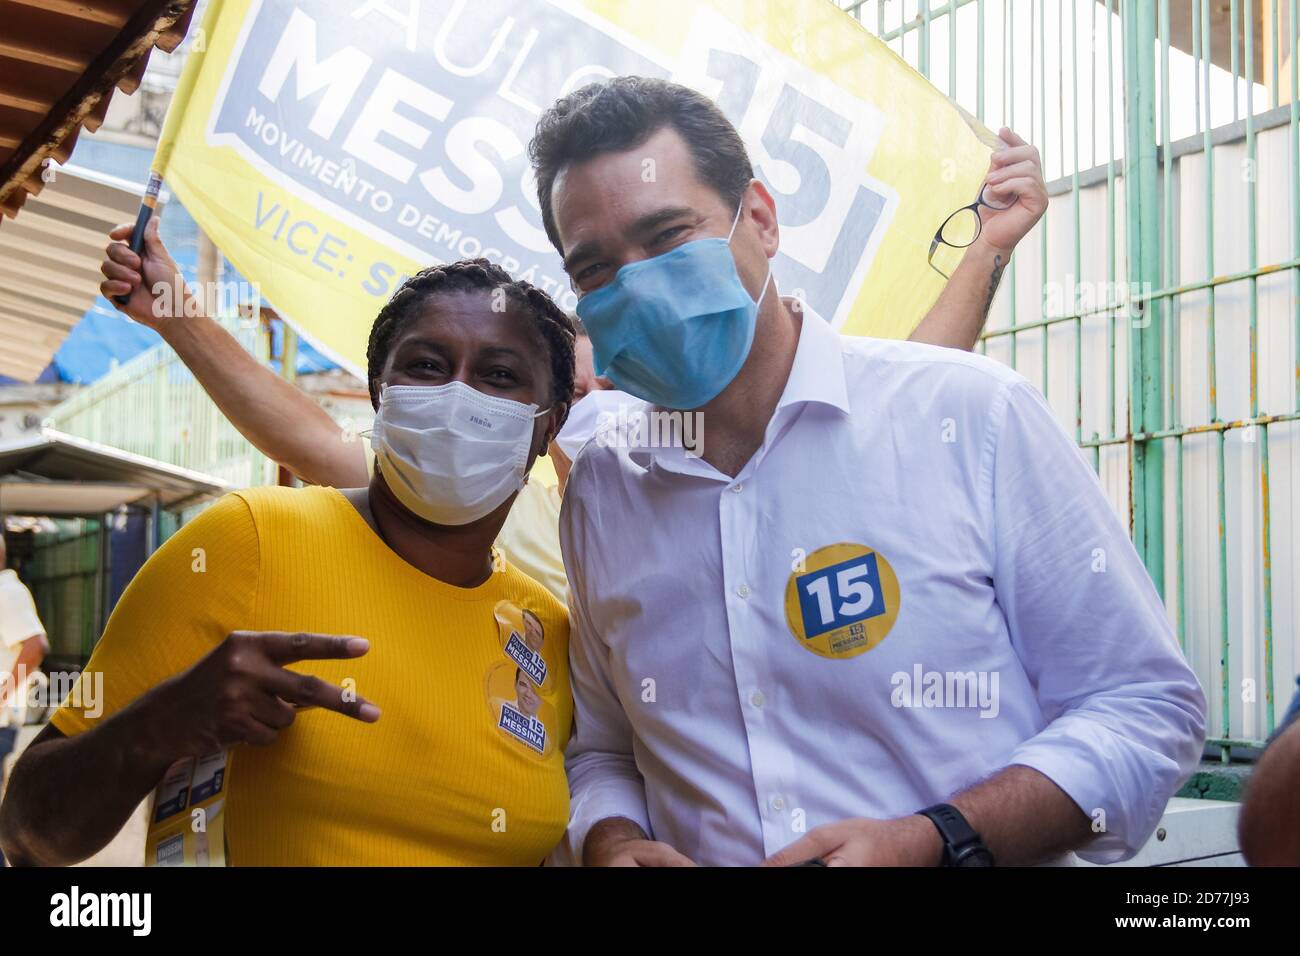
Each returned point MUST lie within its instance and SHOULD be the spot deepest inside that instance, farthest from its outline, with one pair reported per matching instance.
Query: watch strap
(962, 846)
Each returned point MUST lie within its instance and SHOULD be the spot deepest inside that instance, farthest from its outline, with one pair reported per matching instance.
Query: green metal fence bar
(1221, 507)
(1111, 384)
(1173, 334)
(1252, 253)
(1145, 355)
(1075, 182)
(1092, 82)
(923, 51)
(1078, 217)
(1060, 82)
(1196, 61)
(1236, 69)
(1295, 187)
(1043, 226)
(1206, 429)
(979, 58)
(952, 56)
(1009, 14)
(1273, 18)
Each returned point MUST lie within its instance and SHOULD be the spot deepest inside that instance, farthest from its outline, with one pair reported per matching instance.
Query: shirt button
(743, 590)
(757, 698)
(778, 804)
(738, 487)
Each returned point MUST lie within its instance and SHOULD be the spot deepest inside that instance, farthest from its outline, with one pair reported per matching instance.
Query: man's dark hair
(622, 113)
(473, 275)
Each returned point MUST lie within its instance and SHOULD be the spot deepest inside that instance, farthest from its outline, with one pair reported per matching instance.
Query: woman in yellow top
(357, 653)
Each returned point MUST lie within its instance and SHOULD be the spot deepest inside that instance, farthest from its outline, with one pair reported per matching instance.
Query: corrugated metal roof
(58, 474)
(59, 63)
(49, 264)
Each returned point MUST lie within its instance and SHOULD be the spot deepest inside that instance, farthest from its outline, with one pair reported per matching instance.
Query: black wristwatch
(962, 846)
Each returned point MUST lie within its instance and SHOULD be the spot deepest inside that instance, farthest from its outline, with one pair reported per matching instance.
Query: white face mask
(450, 453)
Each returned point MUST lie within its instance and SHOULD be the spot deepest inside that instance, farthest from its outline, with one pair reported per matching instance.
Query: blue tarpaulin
(101, 339)
(105, 336)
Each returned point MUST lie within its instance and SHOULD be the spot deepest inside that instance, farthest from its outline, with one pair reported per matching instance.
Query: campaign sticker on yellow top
(519, 711)
(842, 601)
(522, 638)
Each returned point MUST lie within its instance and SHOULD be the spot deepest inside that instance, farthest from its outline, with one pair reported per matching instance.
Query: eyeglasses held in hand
(962, 228)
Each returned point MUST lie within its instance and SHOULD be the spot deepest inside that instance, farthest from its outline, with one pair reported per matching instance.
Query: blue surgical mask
(676, 329)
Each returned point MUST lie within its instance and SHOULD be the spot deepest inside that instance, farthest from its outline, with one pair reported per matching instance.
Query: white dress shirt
(985, 608)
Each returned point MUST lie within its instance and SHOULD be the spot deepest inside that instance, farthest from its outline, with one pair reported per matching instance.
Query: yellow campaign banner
(330, 149)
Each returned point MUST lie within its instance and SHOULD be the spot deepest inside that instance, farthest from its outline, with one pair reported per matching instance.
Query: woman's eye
(501, 375)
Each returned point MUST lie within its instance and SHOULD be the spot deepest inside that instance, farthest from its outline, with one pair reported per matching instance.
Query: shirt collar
(817, 374)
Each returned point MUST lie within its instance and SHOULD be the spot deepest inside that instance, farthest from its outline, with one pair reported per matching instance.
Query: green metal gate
(66, 572)
(1158, 303)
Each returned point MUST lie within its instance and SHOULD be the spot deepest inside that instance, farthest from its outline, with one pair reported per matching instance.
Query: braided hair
(474, 275)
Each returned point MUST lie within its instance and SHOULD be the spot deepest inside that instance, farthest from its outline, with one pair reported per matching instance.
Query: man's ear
(762, 209)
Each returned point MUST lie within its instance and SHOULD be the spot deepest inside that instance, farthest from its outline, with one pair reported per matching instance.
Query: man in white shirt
(890, 584)
(22, 648)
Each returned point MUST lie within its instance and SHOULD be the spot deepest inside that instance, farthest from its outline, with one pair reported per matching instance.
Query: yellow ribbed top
(438, 779)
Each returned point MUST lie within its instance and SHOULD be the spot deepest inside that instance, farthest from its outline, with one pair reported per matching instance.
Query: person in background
(23, 646)
(287, 426)
(1269, 827)
(888, 615)
(280, 621)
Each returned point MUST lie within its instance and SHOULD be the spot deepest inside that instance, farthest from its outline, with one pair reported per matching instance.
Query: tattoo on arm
(995, 277)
